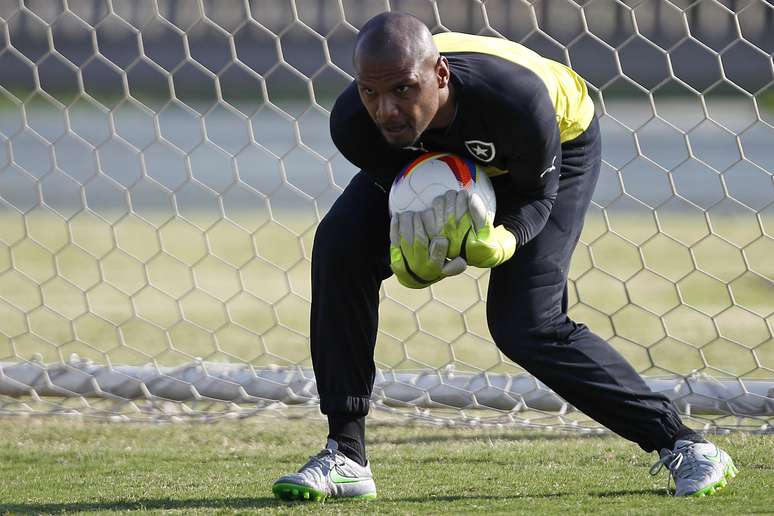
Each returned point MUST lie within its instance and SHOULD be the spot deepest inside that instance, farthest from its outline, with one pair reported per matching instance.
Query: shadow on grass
(457, 498)
(525, 496)
(265, 502)
(630, 492)
(137, 505)
(374, 439)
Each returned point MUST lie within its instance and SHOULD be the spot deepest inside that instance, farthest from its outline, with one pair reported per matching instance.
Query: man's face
(401, 96)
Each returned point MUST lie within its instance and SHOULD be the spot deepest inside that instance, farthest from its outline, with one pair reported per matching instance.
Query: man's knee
(521, 344)
(522, 333)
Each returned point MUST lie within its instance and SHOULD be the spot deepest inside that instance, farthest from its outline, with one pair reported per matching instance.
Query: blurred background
(274, 60)
(164, 164)
(595, 36)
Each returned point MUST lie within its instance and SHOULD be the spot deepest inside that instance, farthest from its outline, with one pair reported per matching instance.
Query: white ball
(433, 174)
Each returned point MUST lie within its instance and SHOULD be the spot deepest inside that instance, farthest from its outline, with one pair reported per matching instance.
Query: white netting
(164, 164)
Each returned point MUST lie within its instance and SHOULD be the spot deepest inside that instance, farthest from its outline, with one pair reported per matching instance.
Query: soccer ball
(433, 174)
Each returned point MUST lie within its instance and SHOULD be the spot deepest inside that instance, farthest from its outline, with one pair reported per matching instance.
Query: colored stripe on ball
(464, 169)
(414, 164)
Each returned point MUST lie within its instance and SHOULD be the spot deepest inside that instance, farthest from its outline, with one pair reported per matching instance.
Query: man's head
(402, 79)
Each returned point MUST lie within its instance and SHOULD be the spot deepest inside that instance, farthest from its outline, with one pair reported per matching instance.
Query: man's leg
(349, 262)
(527, 314)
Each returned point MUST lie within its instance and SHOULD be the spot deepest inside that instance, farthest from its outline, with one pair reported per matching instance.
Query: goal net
(164, 165)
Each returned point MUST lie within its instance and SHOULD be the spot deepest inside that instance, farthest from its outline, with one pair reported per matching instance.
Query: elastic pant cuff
(345, 405)
(672, 427)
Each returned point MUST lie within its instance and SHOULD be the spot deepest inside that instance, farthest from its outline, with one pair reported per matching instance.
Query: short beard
(401, 145)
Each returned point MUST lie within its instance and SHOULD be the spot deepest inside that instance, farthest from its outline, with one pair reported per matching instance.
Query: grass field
(57, 466)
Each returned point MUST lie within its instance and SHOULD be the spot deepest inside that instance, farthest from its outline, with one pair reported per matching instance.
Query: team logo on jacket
(482, 151)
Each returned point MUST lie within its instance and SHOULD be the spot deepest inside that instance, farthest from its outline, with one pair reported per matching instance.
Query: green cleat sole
(710, 490)
(295, 492)
(368, 496)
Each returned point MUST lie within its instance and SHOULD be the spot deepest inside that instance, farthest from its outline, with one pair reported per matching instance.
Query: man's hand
(486, 245)
(449, 219)
(416, 259)
(464, 219)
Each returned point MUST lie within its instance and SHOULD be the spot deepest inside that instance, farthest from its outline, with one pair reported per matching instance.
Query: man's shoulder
(498, 87)
(502, 69)
(489, 62)
(504, 49)
(464, 42)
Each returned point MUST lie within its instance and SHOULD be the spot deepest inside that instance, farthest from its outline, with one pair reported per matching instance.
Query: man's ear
(442, 72)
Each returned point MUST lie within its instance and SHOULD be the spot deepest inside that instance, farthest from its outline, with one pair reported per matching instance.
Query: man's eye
(367, 91)
(402, 90)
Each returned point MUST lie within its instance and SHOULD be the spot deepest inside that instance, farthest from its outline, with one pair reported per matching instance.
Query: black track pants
(526, 308)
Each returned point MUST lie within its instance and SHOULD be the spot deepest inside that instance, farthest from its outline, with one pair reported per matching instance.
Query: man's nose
(386, 109)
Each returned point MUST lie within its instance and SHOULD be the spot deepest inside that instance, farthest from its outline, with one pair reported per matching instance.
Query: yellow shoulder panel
(567, 90)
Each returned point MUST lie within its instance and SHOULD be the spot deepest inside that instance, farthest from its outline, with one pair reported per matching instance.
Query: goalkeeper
(531, 123)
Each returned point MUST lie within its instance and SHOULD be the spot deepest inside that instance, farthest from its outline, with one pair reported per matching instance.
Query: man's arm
(524, 115)
(525, 201)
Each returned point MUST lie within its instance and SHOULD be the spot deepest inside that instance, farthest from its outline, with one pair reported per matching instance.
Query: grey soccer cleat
(699, 469)
(327, 474)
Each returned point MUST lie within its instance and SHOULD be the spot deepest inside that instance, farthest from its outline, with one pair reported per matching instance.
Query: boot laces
(672, 461)
(682, 463)
(326, 460)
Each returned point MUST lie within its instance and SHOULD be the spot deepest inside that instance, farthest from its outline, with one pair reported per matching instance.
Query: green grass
(56, 466)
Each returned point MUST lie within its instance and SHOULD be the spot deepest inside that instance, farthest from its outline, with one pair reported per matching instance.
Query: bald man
(529, 122)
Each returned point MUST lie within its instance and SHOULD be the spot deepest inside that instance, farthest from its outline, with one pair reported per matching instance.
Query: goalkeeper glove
(486, 245)
(449, 219)
(417, 260)
(469, 226)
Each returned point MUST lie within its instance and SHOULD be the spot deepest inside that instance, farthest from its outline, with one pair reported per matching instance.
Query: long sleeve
(525, 201)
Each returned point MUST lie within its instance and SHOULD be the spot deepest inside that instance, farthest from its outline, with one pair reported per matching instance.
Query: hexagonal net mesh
(163, 167)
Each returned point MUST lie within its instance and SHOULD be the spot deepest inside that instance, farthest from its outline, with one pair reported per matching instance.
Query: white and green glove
(487, 246)
(449, 220)
(469, 226)
(419, 260)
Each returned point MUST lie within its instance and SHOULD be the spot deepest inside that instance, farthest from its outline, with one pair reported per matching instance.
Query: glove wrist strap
(413, 274)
